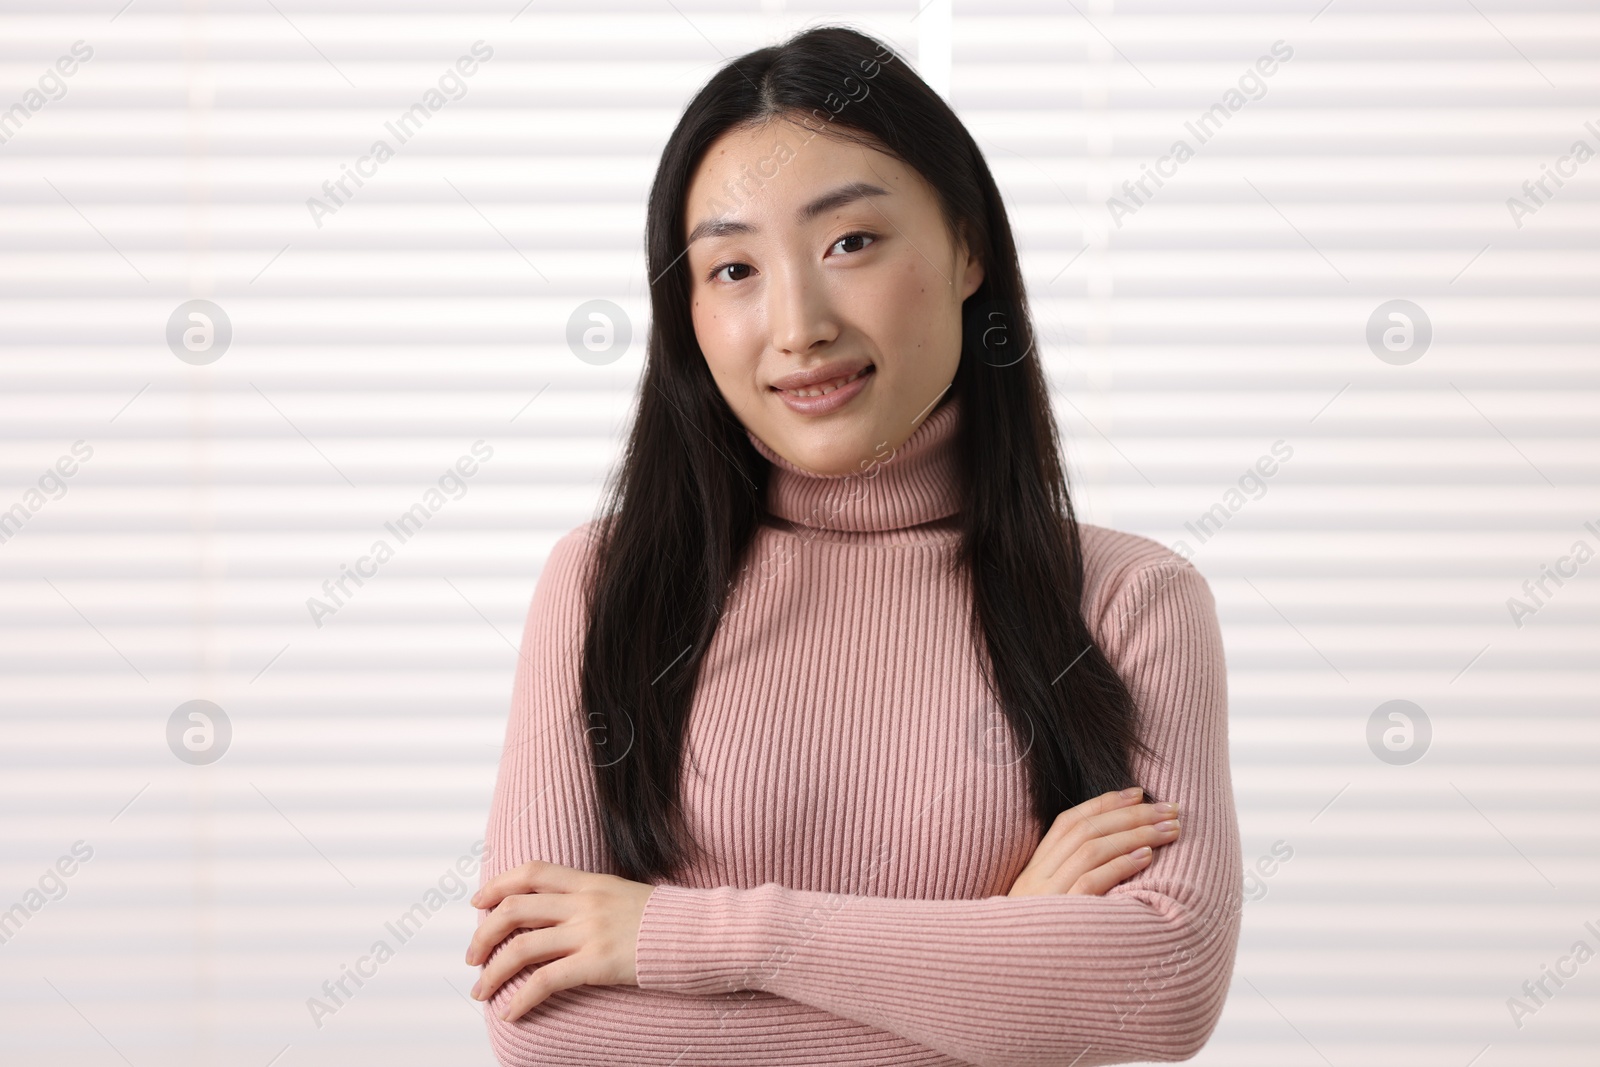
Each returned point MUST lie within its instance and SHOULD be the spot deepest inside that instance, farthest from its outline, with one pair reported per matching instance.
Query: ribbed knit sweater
(866, 809)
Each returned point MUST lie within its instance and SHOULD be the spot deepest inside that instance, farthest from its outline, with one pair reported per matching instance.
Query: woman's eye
(716, 271)
(855, 237)
(858, 240)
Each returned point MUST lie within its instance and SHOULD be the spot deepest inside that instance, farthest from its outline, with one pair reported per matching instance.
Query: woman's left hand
(583, 928)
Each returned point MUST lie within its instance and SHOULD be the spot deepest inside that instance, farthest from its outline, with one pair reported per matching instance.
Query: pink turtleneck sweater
(866, 810)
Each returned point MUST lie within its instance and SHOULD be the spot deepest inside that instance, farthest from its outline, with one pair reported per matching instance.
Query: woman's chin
(831, 451)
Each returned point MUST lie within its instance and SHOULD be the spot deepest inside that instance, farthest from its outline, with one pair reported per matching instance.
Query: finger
(1133, 815)
(1064, 835)
(564, 973)
(1068, 820)
(516, 912)
(1057, 853)
(1099, 850)
(1103, 850)
(529, 948)
(1118, 870)
(535, 876)
(1117, 821)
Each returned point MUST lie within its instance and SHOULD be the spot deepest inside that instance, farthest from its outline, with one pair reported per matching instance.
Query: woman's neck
(917, 483)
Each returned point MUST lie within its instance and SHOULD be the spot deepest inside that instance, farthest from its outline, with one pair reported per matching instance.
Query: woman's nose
(799, 312)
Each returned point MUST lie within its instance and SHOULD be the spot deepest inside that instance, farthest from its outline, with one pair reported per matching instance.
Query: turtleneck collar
(914, 484)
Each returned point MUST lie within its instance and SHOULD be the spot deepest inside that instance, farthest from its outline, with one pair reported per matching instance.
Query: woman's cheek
(709, 330)
(728, 344)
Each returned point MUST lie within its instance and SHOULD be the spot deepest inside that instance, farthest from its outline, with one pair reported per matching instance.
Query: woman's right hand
(1097, 844)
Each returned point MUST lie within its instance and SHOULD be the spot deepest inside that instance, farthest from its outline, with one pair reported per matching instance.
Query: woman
(821, 732)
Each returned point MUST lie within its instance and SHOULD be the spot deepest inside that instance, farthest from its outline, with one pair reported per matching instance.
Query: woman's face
(813, 257)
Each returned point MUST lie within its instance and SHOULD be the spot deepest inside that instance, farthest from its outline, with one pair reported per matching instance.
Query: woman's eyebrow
(845, 194)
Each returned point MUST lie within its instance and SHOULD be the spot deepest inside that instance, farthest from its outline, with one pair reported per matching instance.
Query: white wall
(371, 347)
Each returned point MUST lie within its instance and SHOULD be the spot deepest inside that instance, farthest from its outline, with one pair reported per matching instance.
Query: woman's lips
(839, 392)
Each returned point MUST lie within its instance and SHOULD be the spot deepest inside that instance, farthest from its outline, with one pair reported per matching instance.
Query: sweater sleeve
(1138, 974)
(543, 809)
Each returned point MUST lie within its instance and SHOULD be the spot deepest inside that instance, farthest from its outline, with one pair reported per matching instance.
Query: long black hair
(680, 510)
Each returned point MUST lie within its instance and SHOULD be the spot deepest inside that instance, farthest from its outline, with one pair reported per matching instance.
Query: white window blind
(291, 420)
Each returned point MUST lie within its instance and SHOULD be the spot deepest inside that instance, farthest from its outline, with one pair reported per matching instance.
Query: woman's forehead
(776, 174)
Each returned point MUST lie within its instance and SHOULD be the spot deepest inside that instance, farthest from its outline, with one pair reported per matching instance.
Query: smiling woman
(835, 738)
(857, 293)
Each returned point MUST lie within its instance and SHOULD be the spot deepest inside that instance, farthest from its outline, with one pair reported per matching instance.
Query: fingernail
(1167, 827)
(476, 989)
(1132, 791)
(1141, 853)
(1167, 808)
(476, 898)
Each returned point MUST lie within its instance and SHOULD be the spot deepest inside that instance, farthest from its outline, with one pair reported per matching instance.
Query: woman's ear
(971, 265)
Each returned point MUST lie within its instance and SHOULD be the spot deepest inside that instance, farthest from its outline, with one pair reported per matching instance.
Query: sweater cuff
(706, 941)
